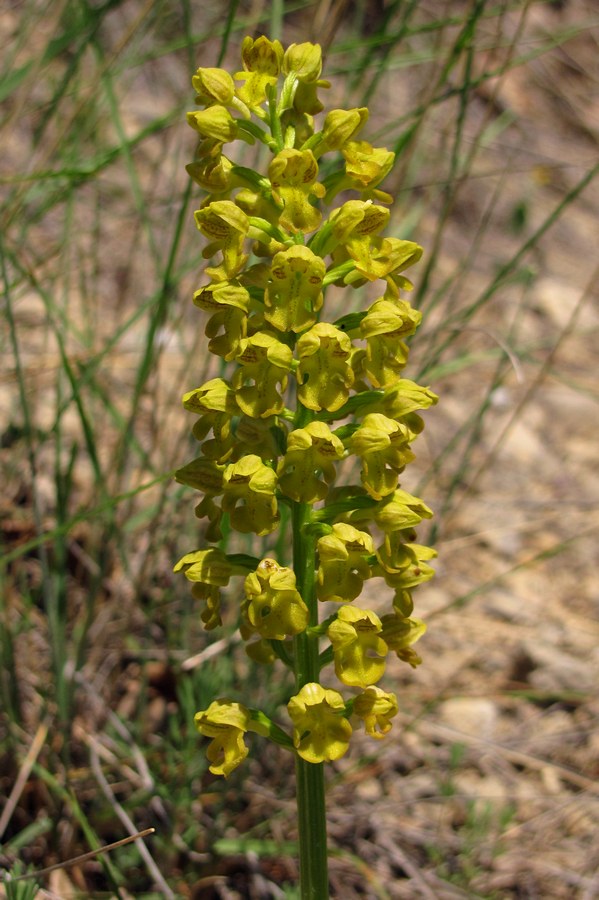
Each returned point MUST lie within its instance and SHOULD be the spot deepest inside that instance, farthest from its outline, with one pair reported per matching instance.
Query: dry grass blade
(23, 776)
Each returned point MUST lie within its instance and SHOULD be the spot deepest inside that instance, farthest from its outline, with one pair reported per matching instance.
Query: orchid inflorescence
(305, 394)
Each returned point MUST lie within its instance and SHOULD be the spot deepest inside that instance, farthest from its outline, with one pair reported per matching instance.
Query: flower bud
(215, 122)
(340, 126)
(213, 86)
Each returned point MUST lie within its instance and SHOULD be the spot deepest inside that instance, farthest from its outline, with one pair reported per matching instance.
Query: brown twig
(91, 854)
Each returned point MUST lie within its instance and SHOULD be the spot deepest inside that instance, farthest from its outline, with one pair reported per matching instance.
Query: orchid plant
(304, 394)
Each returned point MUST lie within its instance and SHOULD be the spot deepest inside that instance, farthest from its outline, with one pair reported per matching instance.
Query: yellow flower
(343, 565)
(321, 731)
(384, 326)
(324, 375)
(309, 450)
(213, 86)
(216, 122)
(303, 64)
(376, 707)
(209, 570)
(212, 173)
(359, 651)
(306, 100)
(348, 233)
(261, 60)
(249, 496)
(400, 633)
(229, 304)
(294, 295)
(275, 608)
(211, 567)
(354, 223)
(265, 361)
(213, 396)
(400, 510)
(208, 509)
(226, 723)
(260, 651)
(383, 257)
(382, 445)
(404, 398)
(303, 60)
(341, 125)
(365, 165)
(209, 593)
(227, 225)
(293, 175)
(257, 436)
(202, 474)
(215, 401)
(404, 565)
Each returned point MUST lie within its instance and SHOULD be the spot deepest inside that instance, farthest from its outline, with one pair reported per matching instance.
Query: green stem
(312, 826)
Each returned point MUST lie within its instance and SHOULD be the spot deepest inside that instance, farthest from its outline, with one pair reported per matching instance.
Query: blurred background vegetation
(493, 111)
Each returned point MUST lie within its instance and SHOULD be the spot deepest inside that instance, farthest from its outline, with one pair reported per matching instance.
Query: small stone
(554, 670)
(471, 715)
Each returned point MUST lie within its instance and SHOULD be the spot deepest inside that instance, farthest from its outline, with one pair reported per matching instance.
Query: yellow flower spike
(266, 362)
(359, 651)
(216, 122)
(261, 60)
(382, 445)
(309, 450)
(275, 608)
(294, 294)
(226, 723)
(249, 496)
(384, 325)
(229, 304)
(227, 226)
(399, 634)
(321, 732)
(293, 175)
(264, 441)
(343, 566)
(376, 707)
(324, 375)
